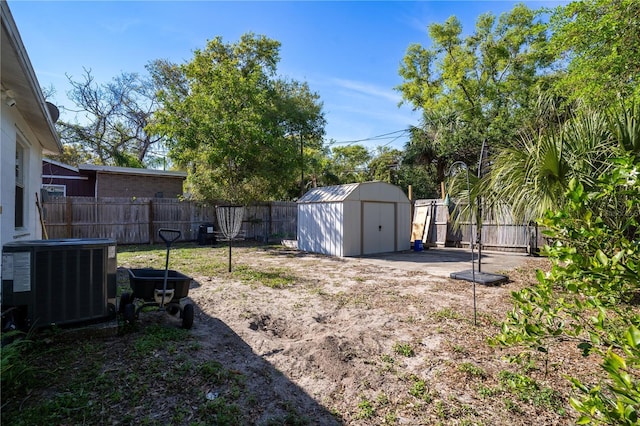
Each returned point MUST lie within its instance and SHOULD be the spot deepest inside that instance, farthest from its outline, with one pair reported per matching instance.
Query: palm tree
(532, 174)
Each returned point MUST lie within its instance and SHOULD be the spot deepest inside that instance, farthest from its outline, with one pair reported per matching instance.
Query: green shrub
(591, 293)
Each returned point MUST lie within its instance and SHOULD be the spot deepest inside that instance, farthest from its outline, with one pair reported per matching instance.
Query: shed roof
(365, 191)
(332, 193)
(59, 164)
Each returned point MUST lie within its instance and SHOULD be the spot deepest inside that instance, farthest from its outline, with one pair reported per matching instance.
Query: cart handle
(169, 235)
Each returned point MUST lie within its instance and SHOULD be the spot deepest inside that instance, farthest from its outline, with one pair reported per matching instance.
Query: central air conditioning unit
(58, 282)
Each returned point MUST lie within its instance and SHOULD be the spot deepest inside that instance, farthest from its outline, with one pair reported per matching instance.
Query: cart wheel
(125, 299)
(187, 316)
(172, 309)
(130, 313)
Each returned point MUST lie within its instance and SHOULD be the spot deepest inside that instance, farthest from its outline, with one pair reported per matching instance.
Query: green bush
(591, 294)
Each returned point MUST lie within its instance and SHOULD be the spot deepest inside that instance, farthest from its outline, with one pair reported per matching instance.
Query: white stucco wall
(12, 123)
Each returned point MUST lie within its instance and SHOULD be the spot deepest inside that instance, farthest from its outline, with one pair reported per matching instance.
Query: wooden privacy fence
(137, 220)
(499, 233)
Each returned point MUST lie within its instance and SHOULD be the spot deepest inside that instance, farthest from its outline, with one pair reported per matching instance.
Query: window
(20, 182)
(51, 190)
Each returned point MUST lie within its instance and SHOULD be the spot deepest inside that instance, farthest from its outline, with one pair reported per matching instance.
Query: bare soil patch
(339, 341)
(337, 335)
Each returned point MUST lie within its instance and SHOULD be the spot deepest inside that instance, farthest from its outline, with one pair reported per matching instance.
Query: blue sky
(348, 52)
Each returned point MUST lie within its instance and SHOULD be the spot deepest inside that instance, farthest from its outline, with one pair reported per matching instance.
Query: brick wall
(118, 185)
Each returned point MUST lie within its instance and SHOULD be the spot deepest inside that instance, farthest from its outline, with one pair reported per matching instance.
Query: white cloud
(367, 89)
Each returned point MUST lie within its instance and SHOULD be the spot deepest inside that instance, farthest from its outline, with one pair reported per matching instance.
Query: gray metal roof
(364, 191)
(334, 193)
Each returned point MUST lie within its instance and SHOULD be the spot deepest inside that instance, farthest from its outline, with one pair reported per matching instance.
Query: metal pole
(301, 166)
(473, 268)
(483, 154)
(473, 265)
(230, 254)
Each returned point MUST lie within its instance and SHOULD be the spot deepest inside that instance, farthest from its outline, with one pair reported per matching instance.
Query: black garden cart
(165, 289)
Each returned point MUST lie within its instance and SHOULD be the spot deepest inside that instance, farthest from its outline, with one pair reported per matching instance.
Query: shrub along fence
(137, 220)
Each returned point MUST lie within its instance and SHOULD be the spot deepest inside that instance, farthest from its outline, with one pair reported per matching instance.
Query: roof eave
(19, 77)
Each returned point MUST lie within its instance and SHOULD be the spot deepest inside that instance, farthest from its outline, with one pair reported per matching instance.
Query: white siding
(7, 150)
(320, 228)
(352, 229)
(10, 122)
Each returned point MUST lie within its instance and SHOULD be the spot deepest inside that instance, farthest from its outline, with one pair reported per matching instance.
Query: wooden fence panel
(255, 223)
(499, 236)
(440, 231)
(124, 220)
(54, 212)
(172, 214)
(499, 233)
(137, 221)
(284, 220)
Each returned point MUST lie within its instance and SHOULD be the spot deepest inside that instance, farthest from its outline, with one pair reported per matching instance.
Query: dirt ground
(366, 343)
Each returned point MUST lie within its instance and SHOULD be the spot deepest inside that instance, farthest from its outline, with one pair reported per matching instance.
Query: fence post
(69, 215)
(270, 225)
(151, 240)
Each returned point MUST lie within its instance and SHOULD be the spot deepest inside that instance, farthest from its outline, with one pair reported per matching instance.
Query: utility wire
(439, 120)
(383, 136)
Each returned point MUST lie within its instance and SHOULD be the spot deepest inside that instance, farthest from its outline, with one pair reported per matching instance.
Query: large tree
(599, 43)
(385, 164)
(233, 123)
(350, 163)
(110, 122)
(472, 89)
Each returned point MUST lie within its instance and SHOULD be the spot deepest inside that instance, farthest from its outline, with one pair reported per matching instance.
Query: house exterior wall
(120, 185)
(76, 185)
(320, 228)
(14, 128)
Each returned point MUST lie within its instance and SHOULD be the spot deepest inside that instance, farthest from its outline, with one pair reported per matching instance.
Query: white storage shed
(354, 219)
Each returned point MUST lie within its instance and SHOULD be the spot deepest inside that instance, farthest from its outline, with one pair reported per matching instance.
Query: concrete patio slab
(442, 262)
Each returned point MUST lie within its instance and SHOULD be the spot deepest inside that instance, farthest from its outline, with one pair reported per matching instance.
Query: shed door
(378, 227)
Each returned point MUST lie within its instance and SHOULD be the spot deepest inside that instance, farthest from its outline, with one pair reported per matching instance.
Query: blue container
(417, 245)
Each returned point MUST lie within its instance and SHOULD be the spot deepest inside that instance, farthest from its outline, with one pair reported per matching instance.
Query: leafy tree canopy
(475, 88)
(599, 43)
(233, 123)
(350, 163)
